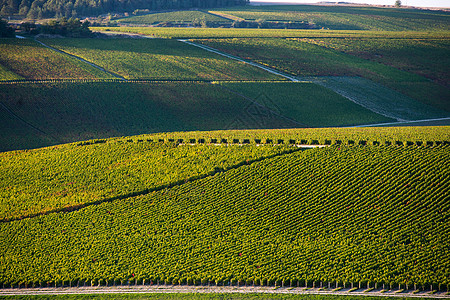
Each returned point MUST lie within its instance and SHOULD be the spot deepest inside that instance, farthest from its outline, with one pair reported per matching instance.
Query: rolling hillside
(315, 215)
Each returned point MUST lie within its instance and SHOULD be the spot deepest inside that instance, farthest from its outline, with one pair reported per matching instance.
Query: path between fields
(81, 59)
(168, 289)
(366, 93)
(268, 69)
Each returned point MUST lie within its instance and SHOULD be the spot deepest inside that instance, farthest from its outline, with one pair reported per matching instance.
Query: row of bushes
(301, 283)
(279, 141)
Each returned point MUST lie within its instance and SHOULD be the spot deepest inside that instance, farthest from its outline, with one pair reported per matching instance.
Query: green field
(307, 103)
(305, 59)
(347, 18)
(158, 59)
(308, 215)
(176, 17)
(200, 33)
(28, 59)
(426, 57)
(46, 115)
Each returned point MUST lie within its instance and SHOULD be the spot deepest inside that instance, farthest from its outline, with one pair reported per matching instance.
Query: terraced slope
(350, 214)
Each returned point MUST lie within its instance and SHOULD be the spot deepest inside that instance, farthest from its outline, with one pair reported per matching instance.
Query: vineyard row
(296, 283)
(272, 142)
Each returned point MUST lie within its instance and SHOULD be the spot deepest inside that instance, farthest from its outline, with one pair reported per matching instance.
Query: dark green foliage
(37, 9)
(6, 30)
(67, 27)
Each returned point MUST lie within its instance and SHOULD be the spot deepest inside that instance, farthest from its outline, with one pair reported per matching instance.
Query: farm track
(82, 60)
(170, 289)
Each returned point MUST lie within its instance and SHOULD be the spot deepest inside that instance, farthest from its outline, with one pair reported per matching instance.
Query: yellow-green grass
(158, 59)
(30, 60)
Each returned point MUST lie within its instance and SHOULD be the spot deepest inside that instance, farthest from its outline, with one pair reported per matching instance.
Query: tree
(398, 3)
(6, 30)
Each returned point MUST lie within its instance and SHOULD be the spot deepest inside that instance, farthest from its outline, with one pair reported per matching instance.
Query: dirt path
(268, 69)
(139, 289)
(81, 59)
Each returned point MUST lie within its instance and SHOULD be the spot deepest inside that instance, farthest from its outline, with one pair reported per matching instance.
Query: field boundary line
(397, 123)
(260, 66)
(150, 190)
(82, 60)
(184, 289)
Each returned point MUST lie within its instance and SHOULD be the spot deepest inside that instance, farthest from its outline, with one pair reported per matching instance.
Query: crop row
(270, 141)
(157, 59)
(30, 60)
(337, 214)
(39, 181)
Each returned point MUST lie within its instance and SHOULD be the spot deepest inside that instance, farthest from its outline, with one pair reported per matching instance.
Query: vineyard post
(376, 285)
(351, 284)
(359, 284)
(337, 284)
(415, 287)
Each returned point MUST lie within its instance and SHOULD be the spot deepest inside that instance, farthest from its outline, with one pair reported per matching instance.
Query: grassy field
(347, 18)
(28, 59)
(175, 17)
(305, 59)
(158, 59)
(308, 215)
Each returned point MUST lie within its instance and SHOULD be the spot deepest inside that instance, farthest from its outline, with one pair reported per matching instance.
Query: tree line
(37, 9)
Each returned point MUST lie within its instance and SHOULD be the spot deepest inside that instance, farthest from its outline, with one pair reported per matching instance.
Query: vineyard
(187, 17)
(193, 296)
(426, 57)
(97, 109)
(295, 218)
(29, 60)
(347, 18)
(304, 59)
(158, 59)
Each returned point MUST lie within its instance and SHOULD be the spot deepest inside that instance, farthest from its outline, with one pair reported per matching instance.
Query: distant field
(347, 18)
(158, 59)
(305, 59)
(345, 213)
(196, 296)
(425, 57)
(185, 33)
(30, 60)
(176, 17)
